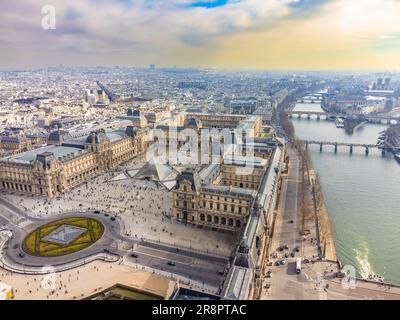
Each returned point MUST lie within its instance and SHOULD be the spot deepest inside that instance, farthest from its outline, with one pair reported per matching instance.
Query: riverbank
(314, 207)
(324, 225)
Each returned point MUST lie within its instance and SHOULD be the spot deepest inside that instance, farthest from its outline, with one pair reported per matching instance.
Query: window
(202, 217)
(230, 222)
(238, 223)
(209, 218)
(223, 220)
(216, 219)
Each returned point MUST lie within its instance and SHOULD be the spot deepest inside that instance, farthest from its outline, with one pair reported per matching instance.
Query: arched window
(223, 220)
(209, 219)
(185, 204)
(230, 222)
(202, 217)
(216, 219)
(238, 223)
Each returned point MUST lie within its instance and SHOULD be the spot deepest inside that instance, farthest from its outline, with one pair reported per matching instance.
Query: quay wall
(323, 221)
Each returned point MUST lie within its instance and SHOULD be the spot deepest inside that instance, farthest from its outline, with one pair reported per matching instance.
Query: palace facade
(55, 169)
(213, 206)
(15, 144)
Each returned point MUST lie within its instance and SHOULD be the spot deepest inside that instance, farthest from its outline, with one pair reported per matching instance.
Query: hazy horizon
(284, 35)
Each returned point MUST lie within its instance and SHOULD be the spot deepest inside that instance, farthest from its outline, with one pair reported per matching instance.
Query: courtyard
(143, 207)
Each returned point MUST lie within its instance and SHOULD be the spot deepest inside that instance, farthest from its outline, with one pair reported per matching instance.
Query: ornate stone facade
(214, 206)
(15, 144)
(52, 170)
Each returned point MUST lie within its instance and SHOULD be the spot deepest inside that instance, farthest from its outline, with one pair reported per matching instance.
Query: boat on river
(339, 122)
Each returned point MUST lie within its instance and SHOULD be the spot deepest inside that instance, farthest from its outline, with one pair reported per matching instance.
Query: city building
(15, 144)
(55, 169)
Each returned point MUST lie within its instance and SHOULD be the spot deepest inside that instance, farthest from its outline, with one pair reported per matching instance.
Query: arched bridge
(351, 146)
(318, 114)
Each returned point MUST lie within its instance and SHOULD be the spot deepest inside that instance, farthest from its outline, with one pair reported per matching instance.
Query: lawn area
(121, 292)
(35, 244)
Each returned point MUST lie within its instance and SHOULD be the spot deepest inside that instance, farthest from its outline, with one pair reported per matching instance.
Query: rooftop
(30, 156)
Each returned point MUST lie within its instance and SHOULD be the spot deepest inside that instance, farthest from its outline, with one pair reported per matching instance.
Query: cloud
(145, 21)
(191, 31)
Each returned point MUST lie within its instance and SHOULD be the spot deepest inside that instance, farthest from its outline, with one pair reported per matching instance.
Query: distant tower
(152, 66)
(387, 83)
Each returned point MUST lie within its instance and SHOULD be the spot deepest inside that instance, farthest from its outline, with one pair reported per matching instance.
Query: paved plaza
(143, 207)
(68, 284)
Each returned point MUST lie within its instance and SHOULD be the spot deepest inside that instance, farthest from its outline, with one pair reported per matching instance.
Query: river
(362, 194)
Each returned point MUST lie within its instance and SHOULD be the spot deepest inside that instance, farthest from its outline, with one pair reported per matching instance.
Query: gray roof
(97, 137)
(13, 139)
(208, 173)
(59, 136)
(236, 281)
(30, 156)
(228, 190)
(190, 176)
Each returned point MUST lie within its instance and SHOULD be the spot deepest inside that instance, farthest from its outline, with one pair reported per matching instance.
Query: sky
(228, 34)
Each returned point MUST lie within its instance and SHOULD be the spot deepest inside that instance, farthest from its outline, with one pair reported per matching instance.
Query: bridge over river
(351, 146)
(327, 115)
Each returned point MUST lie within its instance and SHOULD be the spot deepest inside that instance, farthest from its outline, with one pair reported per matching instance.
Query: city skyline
(227, 34)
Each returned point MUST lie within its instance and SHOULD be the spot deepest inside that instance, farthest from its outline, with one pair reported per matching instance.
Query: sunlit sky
(239, 34)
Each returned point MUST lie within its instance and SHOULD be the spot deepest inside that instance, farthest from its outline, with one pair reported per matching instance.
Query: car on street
(134, 255)
(280, 262)
(171, 263)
